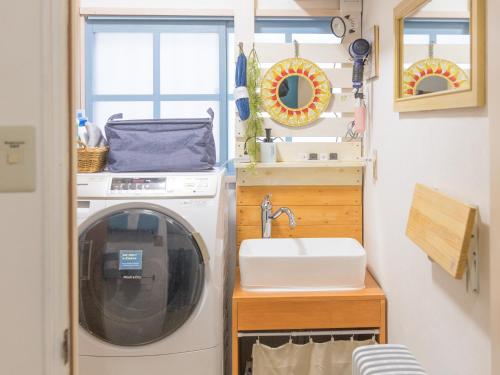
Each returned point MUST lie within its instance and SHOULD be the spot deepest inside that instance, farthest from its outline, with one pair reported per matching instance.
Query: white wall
(224, 7)
(186, 4)
(30, 314)
(494, 113)
(297, 5)
(447, 6)
(446, 327)
(21, 214)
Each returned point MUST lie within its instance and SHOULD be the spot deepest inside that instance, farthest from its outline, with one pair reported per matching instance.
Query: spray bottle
(83, 136)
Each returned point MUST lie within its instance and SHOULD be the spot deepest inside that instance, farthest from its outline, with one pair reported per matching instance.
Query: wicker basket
(91, 159)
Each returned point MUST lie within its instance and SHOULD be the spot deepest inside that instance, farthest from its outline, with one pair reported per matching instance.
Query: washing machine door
(141, 274)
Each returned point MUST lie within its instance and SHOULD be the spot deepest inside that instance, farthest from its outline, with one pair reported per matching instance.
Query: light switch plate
(17, 159)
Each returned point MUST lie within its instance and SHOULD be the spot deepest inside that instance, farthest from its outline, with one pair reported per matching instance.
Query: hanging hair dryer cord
(359, 51)
(360, 116)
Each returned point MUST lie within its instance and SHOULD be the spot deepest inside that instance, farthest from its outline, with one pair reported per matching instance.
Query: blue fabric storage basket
(166, 145)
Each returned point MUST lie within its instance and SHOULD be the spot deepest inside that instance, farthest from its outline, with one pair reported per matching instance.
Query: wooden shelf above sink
(317, 173)
(306, 164)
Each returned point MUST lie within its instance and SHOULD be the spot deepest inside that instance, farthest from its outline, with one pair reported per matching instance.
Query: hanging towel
(241, 91)
(329, 358)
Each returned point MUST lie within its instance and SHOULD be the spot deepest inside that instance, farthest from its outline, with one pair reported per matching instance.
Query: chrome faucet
(268, 216)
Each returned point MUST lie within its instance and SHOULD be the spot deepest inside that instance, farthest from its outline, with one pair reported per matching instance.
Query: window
(157, 68)
(154, 68)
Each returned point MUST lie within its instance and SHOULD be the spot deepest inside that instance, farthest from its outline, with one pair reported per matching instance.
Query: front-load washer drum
(141, 276)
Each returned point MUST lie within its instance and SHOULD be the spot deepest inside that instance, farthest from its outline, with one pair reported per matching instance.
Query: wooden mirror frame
(474, 96)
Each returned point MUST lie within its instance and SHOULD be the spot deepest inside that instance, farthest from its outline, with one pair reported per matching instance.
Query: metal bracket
(473, 259)
(296, 48)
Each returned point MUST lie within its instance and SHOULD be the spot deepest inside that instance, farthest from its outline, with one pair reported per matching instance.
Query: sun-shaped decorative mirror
(295, 92)
(433, 75)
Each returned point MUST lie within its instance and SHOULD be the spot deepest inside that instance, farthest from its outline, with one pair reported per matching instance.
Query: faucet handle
(266, 202)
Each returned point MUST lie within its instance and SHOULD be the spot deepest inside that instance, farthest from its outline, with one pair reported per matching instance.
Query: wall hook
(240, 45)
(296, 48)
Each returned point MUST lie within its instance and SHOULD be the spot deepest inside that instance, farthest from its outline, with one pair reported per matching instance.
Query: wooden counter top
(372, 291)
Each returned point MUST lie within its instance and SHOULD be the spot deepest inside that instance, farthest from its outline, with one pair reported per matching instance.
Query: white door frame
(60, 304)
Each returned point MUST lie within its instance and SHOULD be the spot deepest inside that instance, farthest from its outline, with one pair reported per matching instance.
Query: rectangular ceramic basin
(302, 264)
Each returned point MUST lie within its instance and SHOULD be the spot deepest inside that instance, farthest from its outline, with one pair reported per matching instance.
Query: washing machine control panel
(170, 186)
(141, 183)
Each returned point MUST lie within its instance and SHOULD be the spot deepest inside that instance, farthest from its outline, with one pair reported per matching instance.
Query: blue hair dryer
(359, 51)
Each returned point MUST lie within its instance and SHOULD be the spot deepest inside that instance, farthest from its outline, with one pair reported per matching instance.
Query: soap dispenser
(268, 149)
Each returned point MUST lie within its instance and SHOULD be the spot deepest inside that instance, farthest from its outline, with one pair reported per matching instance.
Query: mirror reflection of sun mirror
(296, 92)
(437, 48)
(431, 84)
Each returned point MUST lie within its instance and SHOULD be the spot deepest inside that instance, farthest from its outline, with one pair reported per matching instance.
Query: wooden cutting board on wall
(321, 211)
(442, 227)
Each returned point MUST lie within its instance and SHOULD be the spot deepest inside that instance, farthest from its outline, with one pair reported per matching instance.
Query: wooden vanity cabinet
(260, 311)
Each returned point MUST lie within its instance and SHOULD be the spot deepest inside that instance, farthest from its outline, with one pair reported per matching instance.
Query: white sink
(302, 264)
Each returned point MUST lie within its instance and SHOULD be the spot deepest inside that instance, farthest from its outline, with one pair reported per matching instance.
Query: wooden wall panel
(326, 200)
(304, 215)
(323, 127)
(348, 176)
(301, 195)
(293, 151)
(346, 151)
(321, 211)
(458, 53)
(317, 52)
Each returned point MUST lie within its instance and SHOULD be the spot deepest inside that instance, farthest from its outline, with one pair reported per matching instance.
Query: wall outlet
(244, 159)
(313, 156)
(323, 156)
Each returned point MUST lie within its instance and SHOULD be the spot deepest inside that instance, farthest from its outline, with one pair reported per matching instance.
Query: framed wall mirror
(439, 54)
(295, 92)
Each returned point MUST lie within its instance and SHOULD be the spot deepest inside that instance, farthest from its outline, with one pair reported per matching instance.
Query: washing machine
(151, 266)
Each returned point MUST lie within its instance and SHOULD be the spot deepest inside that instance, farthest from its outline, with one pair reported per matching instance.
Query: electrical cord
(351, 135)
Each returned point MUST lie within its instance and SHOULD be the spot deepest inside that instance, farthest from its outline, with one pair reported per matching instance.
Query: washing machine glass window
(141, 276)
